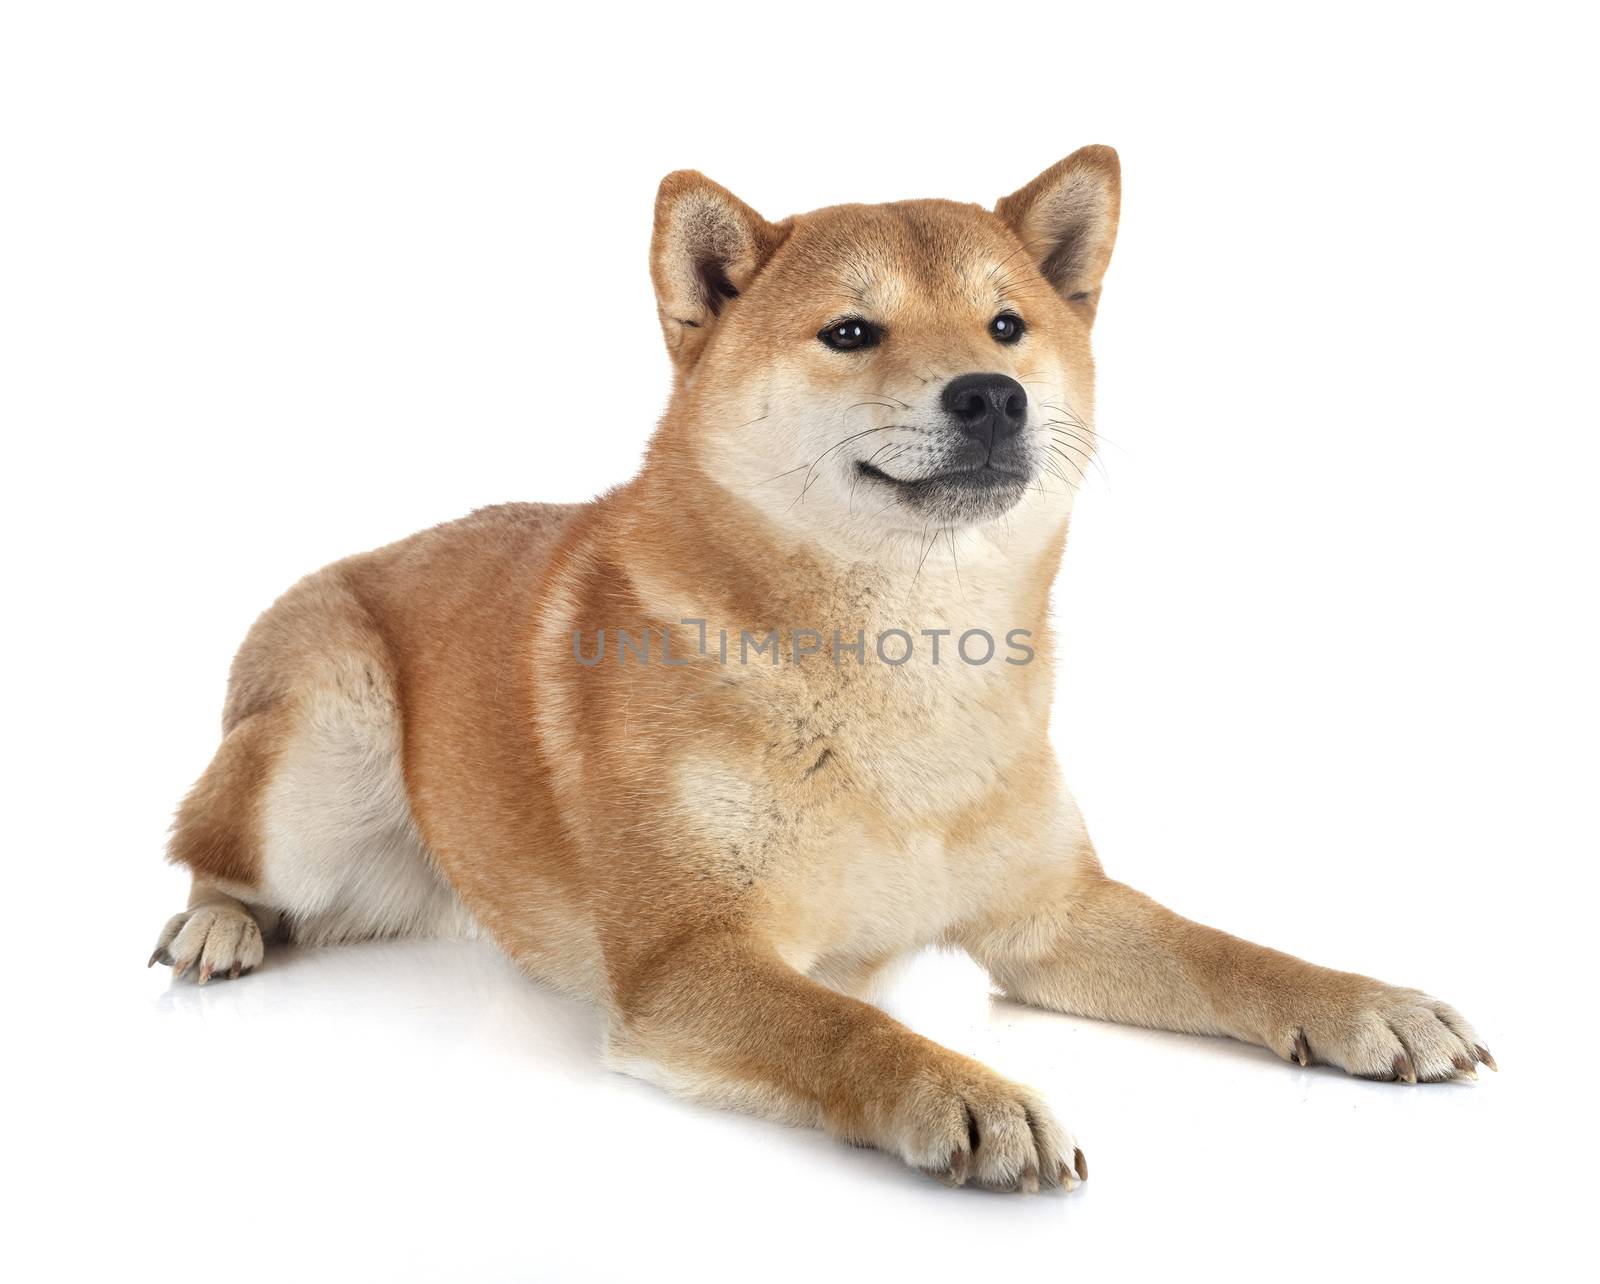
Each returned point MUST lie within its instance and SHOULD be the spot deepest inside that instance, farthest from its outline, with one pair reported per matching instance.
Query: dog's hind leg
(303, 816)
(217, 835)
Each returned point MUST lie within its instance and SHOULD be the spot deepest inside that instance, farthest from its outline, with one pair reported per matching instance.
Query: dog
(715, 748)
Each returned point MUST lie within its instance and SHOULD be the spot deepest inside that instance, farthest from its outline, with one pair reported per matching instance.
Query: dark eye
(850, 335)
(1006, 328)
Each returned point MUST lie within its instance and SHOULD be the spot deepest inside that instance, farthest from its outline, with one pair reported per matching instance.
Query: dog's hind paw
(220, 937)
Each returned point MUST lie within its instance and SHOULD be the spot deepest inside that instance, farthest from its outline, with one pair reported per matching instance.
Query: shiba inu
(716, 747)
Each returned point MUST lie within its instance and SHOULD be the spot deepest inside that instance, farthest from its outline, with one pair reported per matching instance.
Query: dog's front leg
(718, 1015)
(1098, 948)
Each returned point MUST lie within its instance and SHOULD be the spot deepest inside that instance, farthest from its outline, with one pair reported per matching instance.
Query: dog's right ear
(707, 247)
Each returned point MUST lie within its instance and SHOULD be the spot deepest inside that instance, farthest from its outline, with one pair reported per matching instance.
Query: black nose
(987, 407)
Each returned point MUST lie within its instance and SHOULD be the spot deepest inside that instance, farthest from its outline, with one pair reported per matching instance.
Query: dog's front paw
(961, 1122)
(1381, 1031)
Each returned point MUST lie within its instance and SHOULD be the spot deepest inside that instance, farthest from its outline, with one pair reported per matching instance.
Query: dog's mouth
(985, 477)
(958, 497)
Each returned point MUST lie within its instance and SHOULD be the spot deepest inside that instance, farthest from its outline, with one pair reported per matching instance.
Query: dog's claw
(1080, 1165)
(1483, 1056)
(1464, 1067)
(1403, 1069)
(1302, 1049)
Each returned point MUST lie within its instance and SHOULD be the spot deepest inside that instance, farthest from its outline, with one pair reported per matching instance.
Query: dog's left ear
(707, 247)
(1067, 219)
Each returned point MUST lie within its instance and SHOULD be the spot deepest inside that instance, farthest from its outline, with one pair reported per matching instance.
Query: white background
(281, 282)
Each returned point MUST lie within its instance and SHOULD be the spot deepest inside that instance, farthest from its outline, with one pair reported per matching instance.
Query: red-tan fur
(720, 855)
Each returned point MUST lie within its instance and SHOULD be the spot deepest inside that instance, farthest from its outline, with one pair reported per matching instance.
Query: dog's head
(866, 370)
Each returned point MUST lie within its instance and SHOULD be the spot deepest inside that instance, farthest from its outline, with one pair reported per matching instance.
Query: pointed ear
(707, 247)
(1067, 219)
